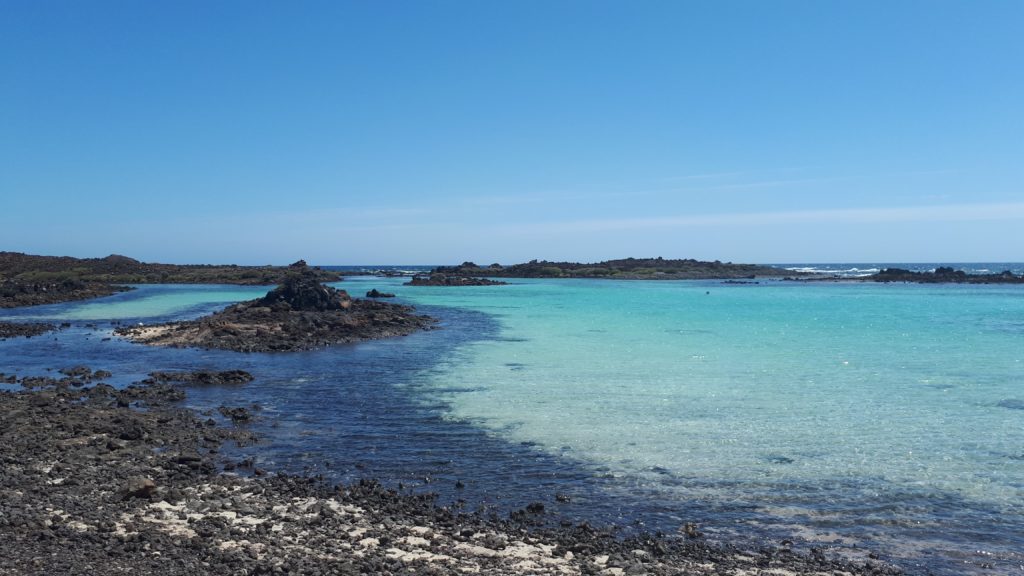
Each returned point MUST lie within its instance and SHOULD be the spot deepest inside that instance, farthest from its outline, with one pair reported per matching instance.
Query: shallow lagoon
(869, 415)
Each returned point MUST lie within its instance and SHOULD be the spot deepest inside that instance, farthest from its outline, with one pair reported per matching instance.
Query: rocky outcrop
(15, 293)
(74, 377)
(202, 377)
(437, 279)
(302, 291)
(944, 275)
(17, 329)
(378, 294)
(300, 314)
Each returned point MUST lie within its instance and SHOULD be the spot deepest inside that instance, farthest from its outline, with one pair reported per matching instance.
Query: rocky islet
(439, 279)
(300, 314)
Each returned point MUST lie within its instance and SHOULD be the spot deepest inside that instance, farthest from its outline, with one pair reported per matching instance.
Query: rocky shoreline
(15, 293)
(300, 314)
(104, 481)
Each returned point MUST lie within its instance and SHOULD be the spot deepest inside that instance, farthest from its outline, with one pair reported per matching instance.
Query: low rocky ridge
(17, 292)
(92, 485)
(945, 275)
(437, 279)
(624, 269)
(300, 314)
(29, 280)
(114, 269)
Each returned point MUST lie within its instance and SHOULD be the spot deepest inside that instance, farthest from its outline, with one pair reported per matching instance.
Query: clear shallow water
(146, 302)
(870, 413)
(877, 415)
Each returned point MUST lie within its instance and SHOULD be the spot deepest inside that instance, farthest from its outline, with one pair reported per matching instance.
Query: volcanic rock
(140, 488)
(15, 329)
(91, 486)
(203, 377)
(302, 290)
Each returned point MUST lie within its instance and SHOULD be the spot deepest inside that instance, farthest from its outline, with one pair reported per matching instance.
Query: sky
(433, 132)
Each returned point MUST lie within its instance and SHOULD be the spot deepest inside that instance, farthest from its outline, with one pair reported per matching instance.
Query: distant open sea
(869, 417)
(867, 269)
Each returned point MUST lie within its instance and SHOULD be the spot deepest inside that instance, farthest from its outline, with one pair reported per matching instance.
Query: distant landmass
(945, 275)
(124, 270)
(27, 280)
(624, 269)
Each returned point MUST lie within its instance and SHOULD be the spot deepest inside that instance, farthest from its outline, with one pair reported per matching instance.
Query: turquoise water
(881, 412)
(179, 299)
(886, 416)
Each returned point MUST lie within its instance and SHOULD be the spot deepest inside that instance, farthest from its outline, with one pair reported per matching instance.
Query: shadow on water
(346, 412)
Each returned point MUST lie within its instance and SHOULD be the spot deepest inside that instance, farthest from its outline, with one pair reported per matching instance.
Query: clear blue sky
(436, 132)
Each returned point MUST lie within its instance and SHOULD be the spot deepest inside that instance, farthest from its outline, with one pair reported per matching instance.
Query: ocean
(884, 418)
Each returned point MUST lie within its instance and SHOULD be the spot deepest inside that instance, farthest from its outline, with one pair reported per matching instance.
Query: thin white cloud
(944, 213)
(708, 176)
(775, 183)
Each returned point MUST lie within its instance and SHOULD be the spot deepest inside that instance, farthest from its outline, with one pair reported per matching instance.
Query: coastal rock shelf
(94, 486)
(300, 314)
